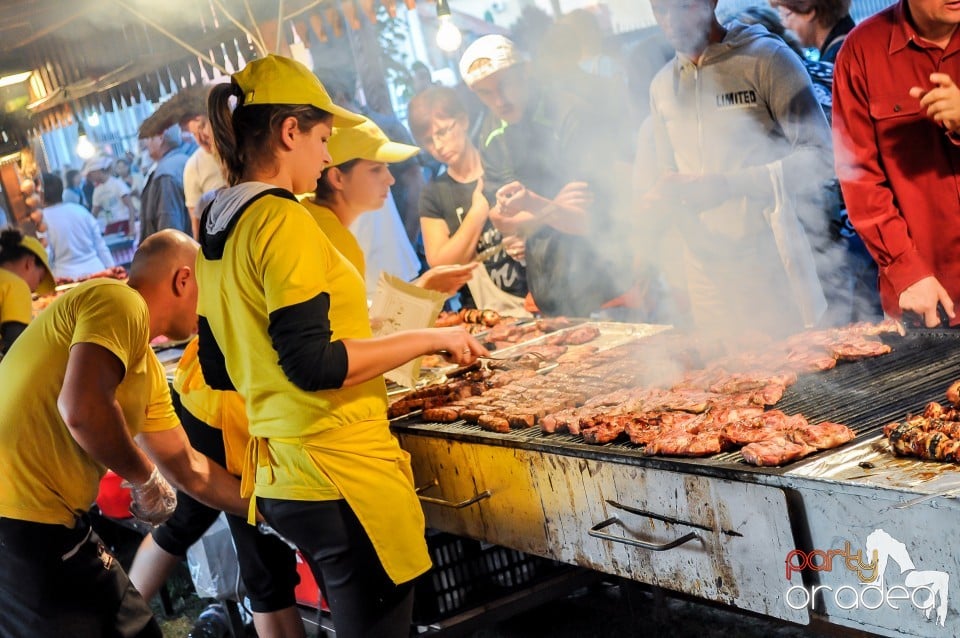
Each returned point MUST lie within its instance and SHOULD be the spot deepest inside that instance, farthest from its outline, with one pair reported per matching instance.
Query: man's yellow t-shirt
(47, 476)
(15, 299)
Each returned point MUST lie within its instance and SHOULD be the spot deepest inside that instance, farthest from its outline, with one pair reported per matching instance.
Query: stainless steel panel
(546, 504)
(916, 555)
(454, 472)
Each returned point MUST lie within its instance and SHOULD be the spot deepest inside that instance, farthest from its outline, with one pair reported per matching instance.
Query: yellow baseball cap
(367, 141)
(47, 285)
(279, 80)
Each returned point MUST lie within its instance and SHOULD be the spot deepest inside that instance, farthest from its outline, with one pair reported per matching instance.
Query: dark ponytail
(221, 123)
(247, 135)
(11, 249)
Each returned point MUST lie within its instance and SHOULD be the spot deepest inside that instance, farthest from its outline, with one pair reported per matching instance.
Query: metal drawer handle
(656, 547)
(451, 504)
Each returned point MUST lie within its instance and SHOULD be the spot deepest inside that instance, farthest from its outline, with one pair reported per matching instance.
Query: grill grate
(864, 395)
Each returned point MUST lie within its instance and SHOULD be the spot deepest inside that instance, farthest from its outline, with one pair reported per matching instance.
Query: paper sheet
(398, 305)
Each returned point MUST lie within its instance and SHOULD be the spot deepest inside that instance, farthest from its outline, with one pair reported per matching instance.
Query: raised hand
(942, 103)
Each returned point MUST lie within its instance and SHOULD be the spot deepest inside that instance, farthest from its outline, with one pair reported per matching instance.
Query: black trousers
(57, 582)
(363, 601)
(268, 566)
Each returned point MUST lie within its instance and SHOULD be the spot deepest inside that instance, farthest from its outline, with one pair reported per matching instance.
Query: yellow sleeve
(160, 413)
(294, 257)
(113, 316)
(16, 303)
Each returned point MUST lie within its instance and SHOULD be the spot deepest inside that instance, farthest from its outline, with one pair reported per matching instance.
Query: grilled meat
(857, 348)
(822, 436)
(775, 451)
(953, 393)
(768, 425)
(682, 443)
(930, 445)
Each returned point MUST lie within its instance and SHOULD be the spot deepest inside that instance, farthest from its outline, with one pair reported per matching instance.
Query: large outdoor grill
(717, 527)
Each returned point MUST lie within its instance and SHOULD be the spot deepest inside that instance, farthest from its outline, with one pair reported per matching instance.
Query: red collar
(903, 33)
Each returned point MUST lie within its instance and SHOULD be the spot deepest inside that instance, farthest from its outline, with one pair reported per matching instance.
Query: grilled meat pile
(659, 394)
(504, 335)
(470, 316)
(933, 435)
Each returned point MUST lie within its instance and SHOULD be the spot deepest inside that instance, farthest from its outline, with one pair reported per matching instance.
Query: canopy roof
(99, 54)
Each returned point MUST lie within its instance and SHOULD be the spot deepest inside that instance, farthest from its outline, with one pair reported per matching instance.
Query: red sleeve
(866, 190)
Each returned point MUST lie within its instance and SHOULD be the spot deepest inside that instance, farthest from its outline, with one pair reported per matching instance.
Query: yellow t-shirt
(309, 445)
(47, 477)
(224, 411)
(15, 298)
(338, 234)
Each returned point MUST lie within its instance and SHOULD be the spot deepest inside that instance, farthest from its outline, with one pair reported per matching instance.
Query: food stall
(852, 536)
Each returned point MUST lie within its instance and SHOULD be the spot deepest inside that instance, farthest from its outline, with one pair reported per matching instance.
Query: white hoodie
(747, 110)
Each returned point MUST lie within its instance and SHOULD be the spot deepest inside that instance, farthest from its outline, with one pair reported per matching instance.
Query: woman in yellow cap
(358, 181)
(23, 271)
(284, 322)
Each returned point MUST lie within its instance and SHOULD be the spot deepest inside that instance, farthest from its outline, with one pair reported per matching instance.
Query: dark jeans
(363, 600)
(60, 582)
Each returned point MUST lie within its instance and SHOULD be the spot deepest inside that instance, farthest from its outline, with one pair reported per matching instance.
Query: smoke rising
(729, 219)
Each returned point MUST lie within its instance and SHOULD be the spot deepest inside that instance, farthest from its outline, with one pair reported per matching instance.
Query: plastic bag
(213, 564)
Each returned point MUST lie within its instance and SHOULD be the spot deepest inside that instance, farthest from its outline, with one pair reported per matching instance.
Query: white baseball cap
(487, 55)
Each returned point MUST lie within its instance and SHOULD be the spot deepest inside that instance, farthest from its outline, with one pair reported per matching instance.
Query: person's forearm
(461, 247)
(207, 482)
(369, 358)
(99, 428)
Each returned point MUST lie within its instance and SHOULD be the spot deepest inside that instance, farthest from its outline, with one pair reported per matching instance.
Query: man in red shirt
(899, 166)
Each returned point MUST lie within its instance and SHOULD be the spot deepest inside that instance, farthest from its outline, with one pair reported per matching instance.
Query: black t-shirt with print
(447, 199)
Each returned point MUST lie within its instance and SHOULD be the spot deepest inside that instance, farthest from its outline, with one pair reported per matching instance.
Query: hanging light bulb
(448, 35)
(85, 150)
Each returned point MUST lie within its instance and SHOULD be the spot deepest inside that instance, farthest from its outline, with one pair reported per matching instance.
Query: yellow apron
(366, 464)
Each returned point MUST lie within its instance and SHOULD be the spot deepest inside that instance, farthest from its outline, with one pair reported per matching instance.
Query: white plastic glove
(153, 500)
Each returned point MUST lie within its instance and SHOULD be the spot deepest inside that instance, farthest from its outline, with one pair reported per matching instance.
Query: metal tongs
(488, 364)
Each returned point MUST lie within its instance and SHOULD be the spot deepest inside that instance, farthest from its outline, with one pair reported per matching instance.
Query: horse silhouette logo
(886, 548)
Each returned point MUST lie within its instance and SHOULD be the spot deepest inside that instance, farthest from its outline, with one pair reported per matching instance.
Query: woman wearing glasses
(453, 211)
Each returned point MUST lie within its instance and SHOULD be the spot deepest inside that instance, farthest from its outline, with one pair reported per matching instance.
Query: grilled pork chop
(775, 451)
(822, 436)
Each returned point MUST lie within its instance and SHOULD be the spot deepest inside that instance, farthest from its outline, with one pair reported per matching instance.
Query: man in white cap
(548, 176)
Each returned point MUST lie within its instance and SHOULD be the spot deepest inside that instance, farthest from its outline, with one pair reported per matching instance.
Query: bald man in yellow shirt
(98, 398)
